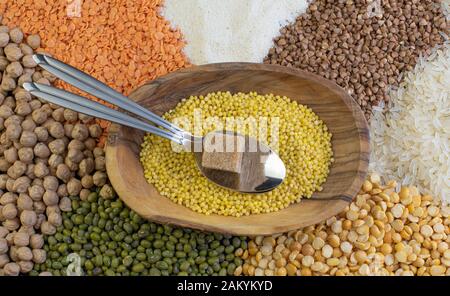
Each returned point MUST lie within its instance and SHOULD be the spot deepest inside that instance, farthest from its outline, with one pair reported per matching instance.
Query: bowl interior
(333, 105)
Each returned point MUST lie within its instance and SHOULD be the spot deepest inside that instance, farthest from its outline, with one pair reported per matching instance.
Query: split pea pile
(47, 154)
(383, 232)
(113, 240)
(362, 46)
(176, 176)
(122, 43)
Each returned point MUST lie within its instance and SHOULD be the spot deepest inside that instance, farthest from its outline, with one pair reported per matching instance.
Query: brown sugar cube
(223, 152)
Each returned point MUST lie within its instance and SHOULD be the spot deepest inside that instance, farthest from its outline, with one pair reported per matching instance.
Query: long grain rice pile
(411, 140)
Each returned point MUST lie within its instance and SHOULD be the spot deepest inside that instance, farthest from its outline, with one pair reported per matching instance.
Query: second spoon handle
(83, 105)
(94, 87)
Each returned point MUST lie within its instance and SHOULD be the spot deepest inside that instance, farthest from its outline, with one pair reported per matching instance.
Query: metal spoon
(257, 168)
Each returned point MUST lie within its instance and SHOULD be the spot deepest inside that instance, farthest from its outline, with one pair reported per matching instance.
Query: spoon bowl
(257, 170)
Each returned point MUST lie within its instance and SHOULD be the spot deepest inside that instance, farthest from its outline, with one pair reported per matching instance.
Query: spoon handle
(86, 106)
(94, 87)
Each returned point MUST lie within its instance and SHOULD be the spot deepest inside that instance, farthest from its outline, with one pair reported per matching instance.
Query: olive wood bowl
(334, 106)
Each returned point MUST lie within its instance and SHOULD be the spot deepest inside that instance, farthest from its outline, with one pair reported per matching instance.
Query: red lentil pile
(363, 45)
(122, 43)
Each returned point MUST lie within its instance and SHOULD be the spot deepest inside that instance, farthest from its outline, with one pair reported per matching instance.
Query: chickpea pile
(47, 153)
(304, 145)
(383, 232)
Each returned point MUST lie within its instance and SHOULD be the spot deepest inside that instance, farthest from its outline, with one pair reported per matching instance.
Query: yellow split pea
(304, 145)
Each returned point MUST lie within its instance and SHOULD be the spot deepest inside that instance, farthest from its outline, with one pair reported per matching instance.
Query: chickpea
(70, 116)
(25, 266)
(28, 124)
(12, 224)
(58, 114)
(4, 39)
(24, 253)
(50, 198)
(90, 144)
(63, 172)
(3, 246)
(6, 112)
(87, 181)
(55, 160)
(13, 52)
(73, 166)
(21, 184)
(36, 192)
(8, 198)
(75, 155)
(11, 155)
(28, 218)
(86, 167)
(16, 35)
(26, 155)
(25, 77)
(36, 241)
(11, 269)
(57, 146)
(85, 118)
(56, 130)
(4, 165)
(43, 80)
(17, 169)
(28, 139)
(74, 187)
(39, 256)
(4, 259)
(84, 193)
(80, 132)
(13, 132)
(68, 128)
(107, 192)
(26, 49)
(28, 61)
(34, 41)
(14, 70)
(65, 204)
(41, 150)
(41, 133)
(95, 130)
(55, 219)
(24, 202)
(76, 144)
(35, 104)
(99, 178)
(100, 163)
(39, 116)
(41, 170)
(47, 228)
(21, 239)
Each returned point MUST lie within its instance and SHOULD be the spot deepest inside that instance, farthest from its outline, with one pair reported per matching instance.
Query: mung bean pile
(112, 240)
(304, 146)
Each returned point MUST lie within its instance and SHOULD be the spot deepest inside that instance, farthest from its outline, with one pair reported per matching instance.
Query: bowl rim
(360, 122)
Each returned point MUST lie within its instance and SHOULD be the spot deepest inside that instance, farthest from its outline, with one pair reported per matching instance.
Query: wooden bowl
(334, 106)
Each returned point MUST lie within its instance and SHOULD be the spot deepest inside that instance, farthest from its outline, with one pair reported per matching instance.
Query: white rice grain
(411, 139)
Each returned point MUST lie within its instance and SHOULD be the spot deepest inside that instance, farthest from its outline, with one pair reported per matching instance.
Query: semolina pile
(383, 232)
(298, 135)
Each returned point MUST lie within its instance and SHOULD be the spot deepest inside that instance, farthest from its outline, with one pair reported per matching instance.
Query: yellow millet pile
(304, 144)
(383, 232)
